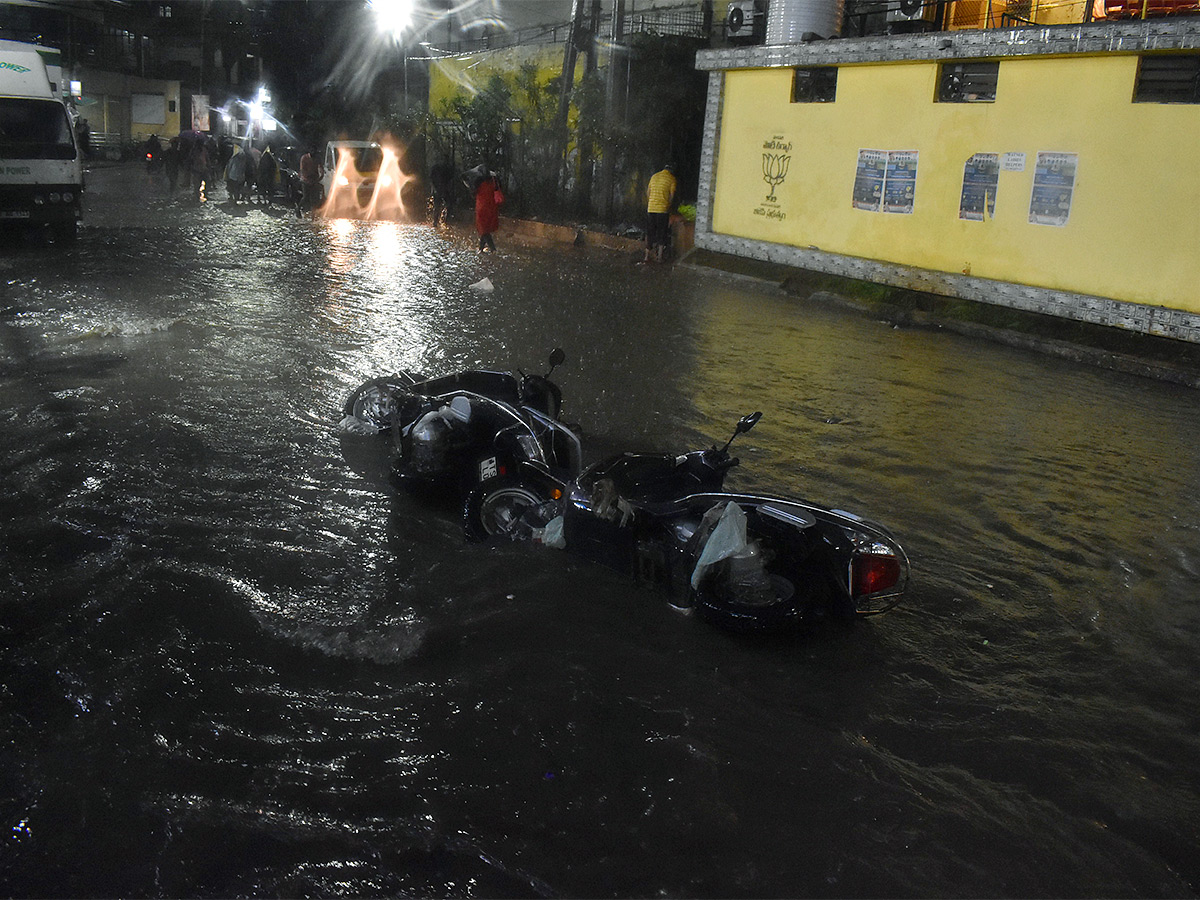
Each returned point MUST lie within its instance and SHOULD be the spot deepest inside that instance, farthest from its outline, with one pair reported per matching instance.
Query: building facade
(1048, 169)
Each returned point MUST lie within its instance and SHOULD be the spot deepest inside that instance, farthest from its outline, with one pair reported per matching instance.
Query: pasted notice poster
(885, 180)
(900, 185)
(868, 179)
(200, 112)
(1053, 185)
(981, 177)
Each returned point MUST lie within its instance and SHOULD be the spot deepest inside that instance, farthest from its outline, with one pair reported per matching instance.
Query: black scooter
(744, 561)
(457, 431)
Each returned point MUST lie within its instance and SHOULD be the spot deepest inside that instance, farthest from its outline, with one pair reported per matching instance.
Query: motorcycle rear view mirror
(557, 356)
(745, 423)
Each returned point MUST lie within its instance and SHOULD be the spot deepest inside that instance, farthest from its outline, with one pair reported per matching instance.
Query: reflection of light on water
(381, 295)
(388, 253)
(349, 185)
(341, 256)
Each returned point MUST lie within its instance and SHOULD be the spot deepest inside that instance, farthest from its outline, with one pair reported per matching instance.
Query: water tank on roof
(788, 21)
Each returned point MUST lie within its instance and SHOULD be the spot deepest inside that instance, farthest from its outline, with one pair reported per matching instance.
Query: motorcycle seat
(645, 478)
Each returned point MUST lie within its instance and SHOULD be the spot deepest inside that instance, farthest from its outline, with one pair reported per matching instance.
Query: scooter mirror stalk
(745, 423)
(557, 357)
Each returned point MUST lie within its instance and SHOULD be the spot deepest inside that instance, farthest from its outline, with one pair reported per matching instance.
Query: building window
(968, 82)
(1168, 79)
(171, 106)
(815, 85)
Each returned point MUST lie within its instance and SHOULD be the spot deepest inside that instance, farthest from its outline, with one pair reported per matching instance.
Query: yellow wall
(468, 74)
(1133, 232)
(171, 126)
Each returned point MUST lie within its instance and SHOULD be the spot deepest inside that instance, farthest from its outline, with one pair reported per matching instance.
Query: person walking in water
(310, 179)
(237, 172)
(267, 169)
(487, 201)
(660, 193)
(441, 180)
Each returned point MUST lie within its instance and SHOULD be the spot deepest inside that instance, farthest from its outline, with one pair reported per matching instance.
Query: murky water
(235, 662)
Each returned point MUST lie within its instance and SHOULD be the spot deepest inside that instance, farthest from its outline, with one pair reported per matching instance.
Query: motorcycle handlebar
(719, 459)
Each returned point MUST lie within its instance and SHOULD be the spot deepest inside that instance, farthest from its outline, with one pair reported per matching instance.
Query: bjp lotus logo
(775, 167)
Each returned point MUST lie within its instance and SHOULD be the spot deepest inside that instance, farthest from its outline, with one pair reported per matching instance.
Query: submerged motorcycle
(456, 431)
(743, 561)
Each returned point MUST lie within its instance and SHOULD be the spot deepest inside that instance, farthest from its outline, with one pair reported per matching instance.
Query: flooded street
(235, 661)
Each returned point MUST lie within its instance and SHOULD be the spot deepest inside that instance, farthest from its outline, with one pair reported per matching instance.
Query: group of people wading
(198, 159)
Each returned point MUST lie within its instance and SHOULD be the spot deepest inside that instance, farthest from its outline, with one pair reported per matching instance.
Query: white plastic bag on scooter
(727, 539)
(552, 535)
(746, 581)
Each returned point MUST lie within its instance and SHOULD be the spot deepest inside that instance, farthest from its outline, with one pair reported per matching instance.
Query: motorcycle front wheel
(505, 507)
(377, 401)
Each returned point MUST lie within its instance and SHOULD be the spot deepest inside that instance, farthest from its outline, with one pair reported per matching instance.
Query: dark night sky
(316, 43)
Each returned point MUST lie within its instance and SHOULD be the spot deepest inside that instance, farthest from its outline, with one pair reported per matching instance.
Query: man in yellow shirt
(659, 192)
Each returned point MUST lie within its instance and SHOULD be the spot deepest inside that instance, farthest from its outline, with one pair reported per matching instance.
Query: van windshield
(366, 159)
(34, 129)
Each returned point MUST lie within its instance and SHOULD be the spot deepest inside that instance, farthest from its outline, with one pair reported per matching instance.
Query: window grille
(815, 85)
(1168, 79)
(968, 82)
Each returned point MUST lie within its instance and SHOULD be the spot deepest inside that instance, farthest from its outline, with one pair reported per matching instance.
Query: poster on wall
(981, 178)
(868, 179)
(900, 183)
(200, 112)
(1013, 161)
(1053, 186)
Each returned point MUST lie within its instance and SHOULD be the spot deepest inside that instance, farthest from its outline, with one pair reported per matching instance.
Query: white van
(41, 173)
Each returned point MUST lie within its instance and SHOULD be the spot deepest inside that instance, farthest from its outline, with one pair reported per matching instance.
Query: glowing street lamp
(393, 16)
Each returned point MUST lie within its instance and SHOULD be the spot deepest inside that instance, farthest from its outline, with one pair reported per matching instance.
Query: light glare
(393, 16)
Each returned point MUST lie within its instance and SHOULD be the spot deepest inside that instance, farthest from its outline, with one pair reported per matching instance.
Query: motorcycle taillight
(874, 572)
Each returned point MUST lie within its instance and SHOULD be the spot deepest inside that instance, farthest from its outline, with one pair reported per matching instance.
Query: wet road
(235, 662)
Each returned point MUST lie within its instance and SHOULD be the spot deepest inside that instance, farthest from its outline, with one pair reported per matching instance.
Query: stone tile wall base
(1154, 320)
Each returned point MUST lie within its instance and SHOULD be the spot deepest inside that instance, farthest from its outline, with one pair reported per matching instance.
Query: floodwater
(234, 661)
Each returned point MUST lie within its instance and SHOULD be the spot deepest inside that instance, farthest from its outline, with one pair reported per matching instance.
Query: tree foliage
(511, 126)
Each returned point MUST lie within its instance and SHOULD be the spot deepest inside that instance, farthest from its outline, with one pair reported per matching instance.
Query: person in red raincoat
(487, 200)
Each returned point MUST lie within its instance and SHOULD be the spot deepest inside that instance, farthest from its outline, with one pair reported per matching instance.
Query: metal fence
(671, 21)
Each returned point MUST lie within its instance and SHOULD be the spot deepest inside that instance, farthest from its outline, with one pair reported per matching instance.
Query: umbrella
(474, 176)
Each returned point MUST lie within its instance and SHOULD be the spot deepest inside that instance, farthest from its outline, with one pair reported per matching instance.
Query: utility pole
(613, 96)
(587, 147)
(570, 55)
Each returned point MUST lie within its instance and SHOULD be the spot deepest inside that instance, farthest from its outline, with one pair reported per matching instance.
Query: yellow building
(123, 108)
(1049, 169)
